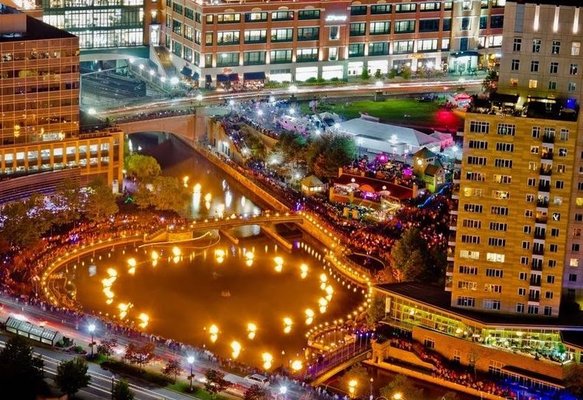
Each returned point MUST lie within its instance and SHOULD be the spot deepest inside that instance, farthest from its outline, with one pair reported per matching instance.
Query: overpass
(188, 127)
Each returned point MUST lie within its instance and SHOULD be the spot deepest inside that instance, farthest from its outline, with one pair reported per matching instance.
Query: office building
(101, 23)
(39, 102)
(287, 40)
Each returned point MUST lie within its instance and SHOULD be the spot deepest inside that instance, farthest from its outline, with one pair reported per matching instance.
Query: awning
(208, 78)
(222, 78)
(195, 76)
(233, 77)
(254, 76)
(186, 71)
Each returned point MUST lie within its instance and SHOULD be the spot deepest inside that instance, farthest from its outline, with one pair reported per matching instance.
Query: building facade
(513, 214)
(520, 215)
(103, 24)
(543, 50)
(39, 101)
(297, 40)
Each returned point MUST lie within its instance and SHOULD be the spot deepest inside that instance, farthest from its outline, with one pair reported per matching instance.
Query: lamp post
(190, 360)
(91, 329)
(371, 394)
(112, 385)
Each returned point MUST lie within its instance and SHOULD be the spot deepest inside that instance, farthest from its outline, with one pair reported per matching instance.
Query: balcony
(539, 234)
(538, 250)
(548, 155)
(546, 170)
(535, 282)
(541, 219)
(542, 203)
(534, 297)
(544, 186)
(536, 266)
(548, 138)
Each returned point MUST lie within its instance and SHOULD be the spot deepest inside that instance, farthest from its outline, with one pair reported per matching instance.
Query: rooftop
(394, 134)
(35, 30)
(437, 297)
(533, 107)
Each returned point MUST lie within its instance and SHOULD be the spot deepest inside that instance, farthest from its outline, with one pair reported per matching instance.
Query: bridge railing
(330, 360)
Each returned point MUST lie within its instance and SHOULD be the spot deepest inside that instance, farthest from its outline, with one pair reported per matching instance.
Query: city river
(240, 300)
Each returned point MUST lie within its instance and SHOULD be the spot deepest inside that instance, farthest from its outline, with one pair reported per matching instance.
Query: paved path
(70, 326)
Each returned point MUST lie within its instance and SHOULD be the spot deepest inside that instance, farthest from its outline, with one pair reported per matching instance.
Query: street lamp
(112, 385)
(371, 382)
(398, 396)
(91, 329)
(190, 360)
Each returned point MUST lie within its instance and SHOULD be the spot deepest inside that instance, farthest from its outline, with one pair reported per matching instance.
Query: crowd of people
(441, 369)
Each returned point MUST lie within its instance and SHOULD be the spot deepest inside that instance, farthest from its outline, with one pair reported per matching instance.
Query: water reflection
(225, 297)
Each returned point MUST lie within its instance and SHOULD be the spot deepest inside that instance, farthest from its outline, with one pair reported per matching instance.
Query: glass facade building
(98, 23)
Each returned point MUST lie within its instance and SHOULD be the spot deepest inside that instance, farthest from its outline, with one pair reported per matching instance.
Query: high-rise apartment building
(520, 216)
(39, 105)
(514, 261)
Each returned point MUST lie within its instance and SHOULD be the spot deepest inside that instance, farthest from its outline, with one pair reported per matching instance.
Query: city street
(301, 92)
(101, 380)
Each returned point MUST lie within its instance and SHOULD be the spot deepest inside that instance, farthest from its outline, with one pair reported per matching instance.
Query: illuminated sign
(336, 18)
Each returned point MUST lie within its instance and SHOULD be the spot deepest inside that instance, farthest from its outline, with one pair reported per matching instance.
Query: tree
(105, 348)
(169, 194)
(292, 145)
(365, 75)
(140, 355)
(573, 379)
(215, 381)
(121, 391)
(72, 375)
(172, 368)
(18, 225)
(410, 258)
(67, 201)
(328, 152)
(143, 168)
(21, 375)
(256, 392)
(403, 385)
(490, 82)
(100, 203)
(376, 310)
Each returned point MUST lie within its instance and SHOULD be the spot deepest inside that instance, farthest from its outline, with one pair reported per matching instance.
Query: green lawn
(398, 111)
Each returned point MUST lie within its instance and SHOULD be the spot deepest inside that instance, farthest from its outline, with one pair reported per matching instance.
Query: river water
(212, 283)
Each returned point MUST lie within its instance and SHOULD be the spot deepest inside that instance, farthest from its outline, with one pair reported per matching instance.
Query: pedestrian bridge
(186, 126)
(267, 222)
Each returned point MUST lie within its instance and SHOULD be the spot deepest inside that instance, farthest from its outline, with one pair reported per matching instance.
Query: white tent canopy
(377, 137)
